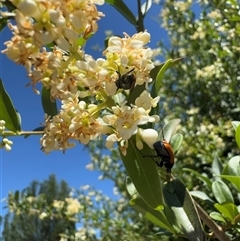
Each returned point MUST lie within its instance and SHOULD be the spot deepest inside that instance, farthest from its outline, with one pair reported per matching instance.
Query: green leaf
(143, 173)
(237, 136)
(201, 195)
(235, 124)
(216, 166)
(81, 41)
(49, 105)
(136, 92)
(8, 112)
(162, 69)
(122, 8)
(181, 203)
(217, 216)
(156, 217)
(158, 81)
(3, 23)
(234, 180)
(222, 192)
(235, 19)
(228, 210)
(205, 179)
(233, 166)
(146, 6)
(169, 129)
(176, 142)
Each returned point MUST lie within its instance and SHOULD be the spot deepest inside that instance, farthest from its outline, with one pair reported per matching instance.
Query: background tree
(29, 223)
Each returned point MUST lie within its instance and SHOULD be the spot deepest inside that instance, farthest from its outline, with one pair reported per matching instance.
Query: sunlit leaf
(237, 136)
(216, 166)
(217, 216)
(146, 6)
(235, 124)
(156, 217)
(228, 210)
(205, 179)
(8, 112)
(222, 192)
(201, 195)
(176, 142)
(169, 129)
(233, 166)
(143, 173)
(235, 180)
(181, 203)
(162, 69)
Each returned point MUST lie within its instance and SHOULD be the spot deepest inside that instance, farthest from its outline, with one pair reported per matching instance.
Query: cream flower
(73, 206)
(74, 122)
(125, 121)
(130, 53)
(146, 101)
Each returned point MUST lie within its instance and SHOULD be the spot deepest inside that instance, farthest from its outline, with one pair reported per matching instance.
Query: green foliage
(8, 112)
(24, 222)
(222, 191)
(49, 105)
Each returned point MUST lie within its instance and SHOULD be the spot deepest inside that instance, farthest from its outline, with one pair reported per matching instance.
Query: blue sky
(26, 162)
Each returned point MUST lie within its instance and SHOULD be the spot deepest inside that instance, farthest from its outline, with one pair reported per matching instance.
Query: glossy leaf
(181, 203)
(201, 195)
(143, 173)
(228, 210)
(235, 180)
(154, 72)
(8, 112)
(222, 192)
(176, 142)
(204, 179)
(235, 124)
(217, 216)
(146, 6)
(159, 78)
(169, 129)
(49, 105)
(156, 217)
(233, 166)
(237, 136)
(216, 166)
(162, 69)
(122, 8)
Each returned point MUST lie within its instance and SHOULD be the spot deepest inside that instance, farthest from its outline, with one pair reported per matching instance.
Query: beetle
(126, 81)
(164, 152)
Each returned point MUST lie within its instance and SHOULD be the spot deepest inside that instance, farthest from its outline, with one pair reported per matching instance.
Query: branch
(217, 230)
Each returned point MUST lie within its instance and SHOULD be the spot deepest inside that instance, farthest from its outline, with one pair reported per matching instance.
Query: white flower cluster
(89, 89)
